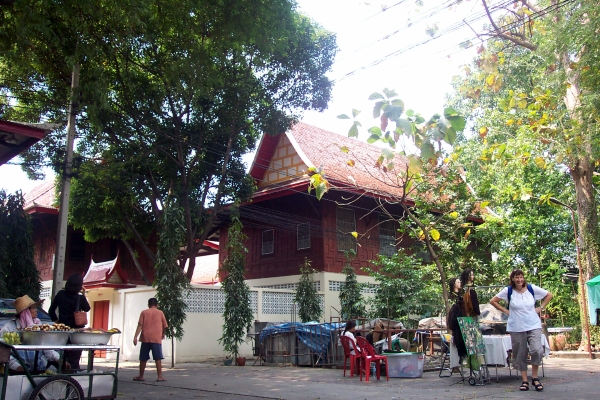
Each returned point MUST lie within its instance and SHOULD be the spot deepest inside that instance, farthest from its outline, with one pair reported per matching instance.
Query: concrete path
(565, 379)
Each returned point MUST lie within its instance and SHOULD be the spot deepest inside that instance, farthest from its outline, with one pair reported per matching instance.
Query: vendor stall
(85, 384)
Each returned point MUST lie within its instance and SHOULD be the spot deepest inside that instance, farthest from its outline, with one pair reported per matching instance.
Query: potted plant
(238, 315)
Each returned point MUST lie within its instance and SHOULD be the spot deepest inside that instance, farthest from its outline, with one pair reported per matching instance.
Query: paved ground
(565, 379)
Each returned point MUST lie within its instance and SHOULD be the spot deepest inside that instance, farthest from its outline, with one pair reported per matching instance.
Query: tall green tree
(170, 283)
(238, 314)
(307, 297)
(351, 300)
(539, 87)
(437, 204)
(18, 273)
(404, 287)
(171, 97)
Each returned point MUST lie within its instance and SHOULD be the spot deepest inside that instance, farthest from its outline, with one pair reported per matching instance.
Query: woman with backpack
(524, 324)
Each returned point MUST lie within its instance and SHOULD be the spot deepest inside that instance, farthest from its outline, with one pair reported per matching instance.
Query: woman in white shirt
(349, 332)
(524, 324)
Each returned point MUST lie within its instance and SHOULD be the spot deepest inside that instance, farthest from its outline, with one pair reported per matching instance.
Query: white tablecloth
(496, 347)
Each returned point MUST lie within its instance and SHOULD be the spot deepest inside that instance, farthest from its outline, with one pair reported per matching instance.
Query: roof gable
(283, 160)
(106, 274)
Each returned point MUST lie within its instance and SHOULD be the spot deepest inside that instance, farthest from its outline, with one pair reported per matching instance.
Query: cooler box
(405, 365)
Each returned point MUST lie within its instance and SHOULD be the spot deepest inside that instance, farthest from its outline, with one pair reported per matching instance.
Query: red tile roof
(322, 149)
(41, 197)
(106, 274)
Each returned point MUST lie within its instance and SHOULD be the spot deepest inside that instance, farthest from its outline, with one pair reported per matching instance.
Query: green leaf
(427, 150)
(375, 130)
(394, 112)
(353, 132)
(450, 137)
(355, 112)
(377, 109)
(457, 122)
(405, 126)
(321, 190)
(398, 102)
(373, 139)
(343, 116)
(389, 93)
(388, 153)
(375, 96)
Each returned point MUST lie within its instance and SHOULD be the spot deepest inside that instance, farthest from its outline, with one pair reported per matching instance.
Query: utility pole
(65, 193)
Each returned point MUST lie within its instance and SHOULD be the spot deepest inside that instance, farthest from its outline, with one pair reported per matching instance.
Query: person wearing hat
(26, 309)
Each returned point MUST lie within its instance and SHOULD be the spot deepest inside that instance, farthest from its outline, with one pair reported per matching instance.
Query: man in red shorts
(152, 325)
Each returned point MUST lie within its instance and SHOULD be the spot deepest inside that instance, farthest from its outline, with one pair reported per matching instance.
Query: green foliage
(351, 299)
(238, 315)
(170, 282)
(307, 297)
(18, 273)
(160, 111)
(406, 287)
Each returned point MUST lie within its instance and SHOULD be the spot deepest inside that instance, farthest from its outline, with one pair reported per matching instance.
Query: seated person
(349, 330)
(26, 317)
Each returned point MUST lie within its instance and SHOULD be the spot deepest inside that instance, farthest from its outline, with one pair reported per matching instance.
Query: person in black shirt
(66, 303)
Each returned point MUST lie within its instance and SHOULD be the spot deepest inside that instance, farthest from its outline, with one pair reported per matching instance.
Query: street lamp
(581, 283)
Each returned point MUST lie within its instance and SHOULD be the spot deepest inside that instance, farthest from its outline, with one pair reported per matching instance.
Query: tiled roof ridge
(31, 198)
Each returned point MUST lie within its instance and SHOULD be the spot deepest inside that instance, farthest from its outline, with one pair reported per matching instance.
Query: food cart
(86, 383)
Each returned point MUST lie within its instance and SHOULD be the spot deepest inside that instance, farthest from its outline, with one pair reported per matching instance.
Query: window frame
(343, 228)
(264, 250)
(303, 238)
(387, 242)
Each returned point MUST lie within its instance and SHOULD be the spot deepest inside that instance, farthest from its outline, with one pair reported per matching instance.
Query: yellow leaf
(350, 163)
(483, 131)
(421, 235)
(490, 80)
(510, 122)
(467, 233)
(540, 162)
(484, 204)
(345, 149)
(435, 235)
(354, 234)
(522, 104)
(453, 215)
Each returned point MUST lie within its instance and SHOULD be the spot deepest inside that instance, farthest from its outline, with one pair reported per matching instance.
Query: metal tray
(90, 338)
(43, 338)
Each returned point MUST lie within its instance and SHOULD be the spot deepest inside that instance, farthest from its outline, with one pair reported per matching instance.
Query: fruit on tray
(11, 338)
(98, 330)
(49, 328)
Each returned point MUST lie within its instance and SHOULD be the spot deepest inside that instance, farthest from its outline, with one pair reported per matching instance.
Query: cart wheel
(58, 387)
(472, 381)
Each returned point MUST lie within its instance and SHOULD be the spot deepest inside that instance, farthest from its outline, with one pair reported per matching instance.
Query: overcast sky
(380, 47)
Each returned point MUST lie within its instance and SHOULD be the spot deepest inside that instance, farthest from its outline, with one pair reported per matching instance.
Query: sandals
(538, 386)
(524, 386)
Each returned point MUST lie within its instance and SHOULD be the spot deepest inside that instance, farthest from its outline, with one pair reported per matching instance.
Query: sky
(381, 45)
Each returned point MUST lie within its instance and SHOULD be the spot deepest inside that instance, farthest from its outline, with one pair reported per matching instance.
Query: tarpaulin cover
(315, 336)
(593, 299)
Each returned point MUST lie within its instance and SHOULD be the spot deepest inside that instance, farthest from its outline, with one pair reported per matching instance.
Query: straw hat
(24, 302)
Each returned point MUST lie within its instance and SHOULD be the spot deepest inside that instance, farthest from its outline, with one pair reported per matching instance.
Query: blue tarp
(315, 336)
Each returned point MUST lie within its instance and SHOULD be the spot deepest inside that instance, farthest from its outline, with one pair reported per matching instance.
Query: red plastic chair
(348, 344)
(369, 356)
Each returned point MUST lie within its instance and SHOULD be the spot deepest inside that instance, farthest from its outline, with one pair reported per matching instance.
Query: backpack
(510, 290)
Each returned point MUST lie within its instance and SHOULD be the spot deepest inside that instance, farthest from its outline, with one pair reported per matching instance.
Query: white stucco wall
(203, 329)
